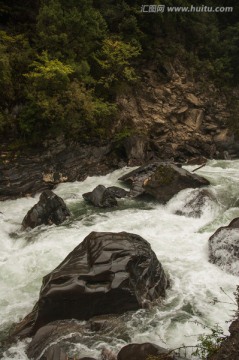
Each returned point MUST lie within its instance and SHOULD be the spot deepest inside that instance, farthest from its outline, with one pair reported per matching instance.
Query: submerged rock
(49, 210)
(105, 197)
(54, 352)
(54, 340)
(224, 247)
(118, 192)
(162, 181)
(61, 339)
(143, 352)
(101, 197)
(108, 273)
(196, 202)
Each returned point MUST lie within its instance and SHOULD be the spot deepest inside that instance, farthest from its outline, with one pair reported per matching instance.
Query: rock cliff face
(183, 117)
(167, 116)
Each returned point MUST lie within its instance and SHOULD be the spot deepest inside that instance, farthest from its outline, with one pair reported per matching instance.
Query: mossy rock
(168, 179)
(164, 175)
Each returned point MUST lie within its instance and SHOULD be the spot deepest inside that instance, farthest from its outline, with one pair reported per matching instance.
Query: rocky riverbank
(169, 116)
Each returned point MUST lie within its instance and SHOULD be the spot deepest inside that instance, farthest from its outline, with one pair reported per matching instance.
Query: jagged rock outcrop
(196, 202)
(183, 118)
(49, 210)
(224, 247)
(108, 273)
(162, 181)
(39, 169)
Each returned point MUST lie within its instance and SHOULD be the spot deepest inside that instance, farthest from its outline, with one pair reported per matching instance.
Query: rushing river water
(181, 244)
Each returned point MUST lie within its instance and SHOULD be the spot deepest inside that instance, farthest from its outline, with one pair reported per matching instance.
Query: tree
(56, 102)
(115, 60)
(49, 75)
(69, 30)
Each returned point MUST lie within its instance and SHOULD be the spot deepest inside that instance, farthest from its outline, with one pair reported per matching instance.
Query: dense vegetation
(62, 63)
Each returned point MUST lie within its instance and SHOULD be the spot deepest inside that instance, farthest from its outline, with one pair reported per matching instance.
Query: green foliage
(2, 121)
(63, 63)
(70, 30)
(6, 86)
(14, 52)
(71, 109)
(114, 59)
(123, 134)
(209, 343)
(49, 75)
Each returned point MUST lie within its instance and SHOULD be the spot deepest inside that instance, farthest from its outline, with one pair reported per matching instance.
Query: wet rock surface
(49, 210)
(47, 341)
(105, 197)
(161, 180)
(101, 197)
(35, 170)
(143, 351)
(108, 273)
(196, 202)
(66, 338)
(118, 192)
(224, 247)
(54, 352)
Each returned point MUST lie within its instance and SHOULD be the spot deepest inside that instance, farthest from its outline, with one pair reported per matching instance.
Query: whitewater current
(201, 294)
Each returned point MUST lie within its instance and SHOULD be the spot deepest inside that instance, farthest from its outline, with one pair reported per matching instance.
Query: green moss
(164, 175)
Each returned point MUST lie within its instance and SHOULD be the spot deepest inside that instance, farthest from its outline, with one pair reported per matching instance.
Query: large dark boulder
(162, 180)
(224, 247)
(196, 203)
(101, 197)
(108, 273)
(49, 210)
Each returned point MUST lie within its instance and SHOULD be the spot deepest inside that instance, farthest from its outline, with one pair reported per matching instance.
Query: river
(200, 294)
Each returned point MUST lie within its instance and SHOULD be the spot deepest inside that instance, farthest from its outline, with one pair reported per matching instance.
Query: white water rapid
(181, 244)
